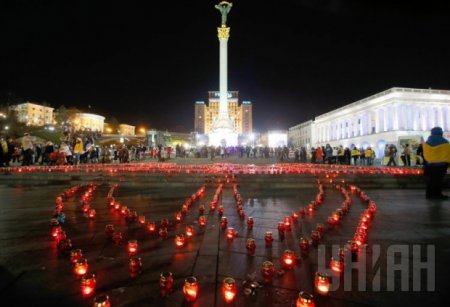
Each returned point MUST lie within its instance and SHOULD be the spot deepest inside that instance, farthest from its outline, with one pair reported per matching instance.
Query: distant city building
(128, 130)
(274, 138)
(88, 122)
(33, 114)
(206, 113)
(395, 116)
(301, 135)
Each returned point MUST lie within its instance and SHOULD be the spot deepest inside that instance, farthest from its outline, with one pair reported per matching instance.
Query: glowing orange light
(75, 255)
(230, 233)
(202, 221)
(88, 284)
(165, 283)
(179, 240)
(80, 267)
(189, 231)
(102, 301)
(229, 290)
(288, 259)
(190, 289)
(322, 283)
(132, 247)
(305, 300)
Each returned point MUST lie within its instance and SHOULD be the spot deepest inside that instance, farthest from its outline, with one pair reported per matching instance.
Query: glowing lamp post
(230, 233)
(322, 283)
(229, 290)
(80, 267)
(102, 301)
(267, 271)
(132, 247)
(288, 259)
(165, 283)
(268, 238)
(189, 231)
(190, 289)
(179, 241)
(305, 300)
(88, 284)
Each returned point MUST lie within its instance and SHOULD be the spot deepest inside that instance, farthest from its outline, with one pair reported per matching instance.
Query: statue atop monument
(224, 7)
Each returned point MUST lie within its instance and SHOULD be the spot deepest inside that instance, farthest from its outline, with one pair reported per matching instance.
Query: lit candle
(220, 210)
(268, 238)
(117, 237)
(55, 231)
(190, 289)
(250, 222)
(178, 216)
(135, 266)
(75, 255)
(165, 283)
(304, 245)
(229, 290)
(88, 284)
(288, 259)
(223, 222)
(163, 233)
(241, 213)
(164, 223)
(179, 241)
(132, 247)
(302, 212)
(337, 265)
(322, 283)
(315, 237)
(85, 207)
(141, 220)
(102, 301)
(281, 227)
(230, 233)
(80, 267)
(251, 246)
(287, 223)
(91, 213)
(294, 216)
(109, 230)
(202, 220)
(305, 300)
(201, 209)
(320, 228)
(267, 271)
(151, 226)
(189, 231)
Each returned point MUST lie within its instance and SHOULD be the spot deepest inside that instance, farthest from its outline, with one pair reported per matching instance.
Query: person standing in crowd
(355, 155)
(3, 151)
(27, 148)
(392, 154)
(406, 155)
(436, 152)
(419, 155)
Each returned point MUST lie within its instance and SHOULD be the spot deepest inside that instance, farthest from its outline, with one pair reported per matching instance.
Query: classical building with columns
(385, 118)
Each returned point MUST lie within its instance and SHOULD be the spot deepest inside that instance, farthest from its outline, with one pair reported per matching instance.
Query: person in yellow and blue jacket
(436, 152)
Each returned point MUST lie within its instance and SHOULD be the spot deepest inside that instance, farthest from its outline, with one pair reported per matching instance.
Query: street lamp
(142, 130)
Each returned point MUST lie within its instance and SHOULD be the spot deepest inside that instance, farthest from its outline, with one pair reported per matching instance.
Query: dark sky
(147, 62)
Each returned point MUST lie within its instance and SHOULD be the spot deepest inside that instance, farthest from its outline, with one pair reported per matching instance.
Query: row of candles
(283, 168)
(267, 268)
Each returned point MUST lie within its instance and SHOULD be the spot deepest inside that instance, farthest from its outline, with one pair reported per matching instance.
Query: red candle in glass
(61, 235)
(75, 255)
(178, 217)
(190, 289)
(220, 210)
(281, 227)
(358, 239)
(179, 241)
(302, 211)
(85, 207)
(65, 246)
(53, 222)
(116, 206)
(311, 208)
(55, 231)
(268, 238)
(109, 230)
(315, 237)
(304, 245)
(336, 265)
(102, 301)
(320, 228)
(117, 237)
(322, 283)
(287, 223)
(184, 209)
(132, 247)
(141, 220)
(250, 222)
(288, 259)
(135, 265)
(91, 213)
(164, 223)
(331, 221)
(165, 283)
(202, 220)
(201, 209)
(88, 284)
(229, 290)
(124, 210)
(305, 300)
(151, 226)
(223, 222)
(163, 233)
(294, 216)
(80, 267)
(189, 231)
(230, 233)
(251, 246)
(241, 214)
(267, 271)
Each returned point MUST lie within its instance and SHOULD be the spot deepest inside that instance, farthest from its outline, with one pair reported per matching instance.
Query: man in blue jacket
(436, 152)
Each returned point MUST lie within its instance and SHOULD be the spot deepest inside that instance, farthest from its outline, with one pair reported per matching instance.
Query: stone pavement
(32, 271)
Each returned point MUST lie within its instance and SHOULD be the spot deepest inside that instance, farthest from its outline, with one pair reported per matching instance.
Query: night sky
(147, 62)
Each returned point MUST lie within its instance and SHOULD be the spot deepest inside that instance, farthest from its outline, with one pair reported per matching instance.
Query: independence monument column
(223, 127)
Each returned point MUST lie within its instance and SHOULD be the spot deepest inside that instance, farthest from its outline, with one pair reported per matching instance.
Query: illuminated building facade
(240, 113)
(395, 116)
(128, 130)
(33, 114)
(88, 122)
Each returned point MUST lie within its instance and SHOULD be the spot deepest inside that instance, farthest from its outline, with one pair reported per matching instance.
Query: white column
(223, 107)
(394, 117)
(385, 119)
(369, 122)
